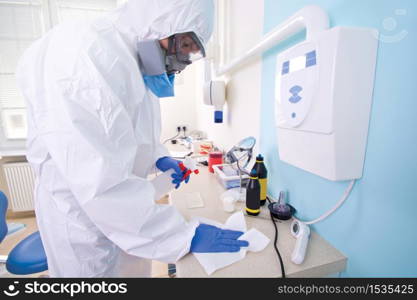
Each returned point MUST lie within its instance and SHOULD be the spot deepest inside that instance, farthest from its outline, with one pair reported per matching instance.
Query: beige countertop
(322, 259)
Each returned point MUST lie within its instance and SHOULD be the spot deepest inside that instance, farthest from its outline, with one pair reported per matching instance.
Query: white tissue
(214, 261)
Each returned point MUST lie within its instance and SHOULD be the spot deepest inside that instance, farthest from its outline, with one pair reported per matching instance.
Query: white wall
(242, 112)
(181, 109)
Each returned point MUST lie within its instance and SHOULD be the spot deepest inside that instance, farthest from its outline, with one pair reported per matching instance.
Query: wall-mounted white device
(301, 232)
(215, 95)
(324, 90)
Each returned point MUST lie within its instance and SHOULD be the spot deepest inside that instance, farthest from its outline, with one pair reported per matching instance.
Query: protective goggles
(183, 50)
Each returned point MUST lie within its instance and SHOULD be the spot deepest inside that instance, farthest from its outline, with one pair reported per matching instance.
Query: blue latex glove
(179, 178)
(167, 163)
(209, 239)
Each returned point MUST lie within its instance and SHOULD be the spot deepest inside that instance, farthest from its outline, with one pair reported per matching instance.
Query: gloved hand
(166, 163)
(178, 179)
(209, 239)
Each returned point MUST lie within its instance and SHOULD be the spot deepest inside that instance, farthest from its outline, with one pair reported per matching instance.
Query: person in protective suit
(92, 91)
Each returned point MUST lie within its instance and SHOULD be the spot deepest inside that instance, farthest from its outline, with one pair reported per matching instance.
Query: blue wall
(377, 227)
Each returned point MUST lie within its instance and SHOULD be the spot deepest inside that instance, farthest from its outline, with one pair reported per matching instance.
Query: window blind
(85, 9)
(22, 22)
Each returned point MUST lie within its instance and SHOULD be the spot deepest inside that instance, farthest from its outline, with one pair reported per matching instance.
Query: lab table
(322, 259)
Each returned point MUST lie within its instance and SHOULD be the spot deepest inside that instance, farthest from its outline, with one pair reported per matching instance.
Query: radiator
(20, 181)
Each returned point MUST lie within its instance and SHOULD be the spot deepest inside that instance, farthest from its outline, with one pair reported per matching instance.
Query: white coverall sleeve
(161, 151)
(90, 137)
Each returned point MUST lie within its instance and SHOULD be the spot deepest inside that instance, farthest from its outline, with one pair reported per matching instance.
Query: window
(82, 9)
(22, 22)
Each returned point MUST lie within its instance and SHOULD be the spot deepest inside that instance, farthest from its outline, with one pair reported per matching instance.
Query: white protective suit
(94, 132)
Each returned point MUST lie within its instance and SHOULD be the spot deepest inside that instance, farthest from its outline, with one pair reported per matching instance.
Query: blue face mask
(161, 85)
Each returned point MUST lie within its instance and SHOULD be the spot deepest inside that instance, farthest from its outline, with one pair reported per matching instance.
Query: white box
(228, 176)
(324, 90)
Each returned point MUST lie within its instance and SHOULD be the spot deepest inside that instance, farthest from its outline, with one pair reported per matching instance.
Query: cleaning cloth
(215, 261)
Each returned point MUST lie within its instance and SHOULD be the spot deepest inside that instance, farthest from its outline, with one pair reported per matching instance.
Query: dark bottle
(253, 194)
(262, 172)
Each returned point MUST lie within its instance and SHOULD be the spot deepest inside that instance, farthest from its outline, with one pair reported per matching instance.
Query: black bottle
(253, 195)
(262, 172)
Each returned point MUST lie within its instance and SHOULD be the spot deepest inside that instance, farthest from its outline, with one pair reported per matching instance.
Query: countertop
(322, 259)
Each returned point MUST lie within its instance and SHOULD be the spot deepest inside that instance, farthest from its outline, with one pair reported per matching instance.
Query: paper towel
(214, 261)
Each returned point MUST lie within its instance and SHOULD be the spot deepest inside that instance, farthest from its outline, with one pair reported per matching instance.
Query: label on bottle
(263, 183)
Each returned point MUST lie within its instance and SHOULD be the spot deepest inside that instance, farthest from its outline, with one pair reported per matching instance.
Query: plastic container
(215, 158)
(253, 195)
(229, 177)
(262, 173)
(228, 204)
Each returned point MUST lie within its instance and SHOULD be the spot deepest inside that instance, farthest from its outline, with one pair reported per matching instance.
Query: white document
(194, 200)
(214, 261)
